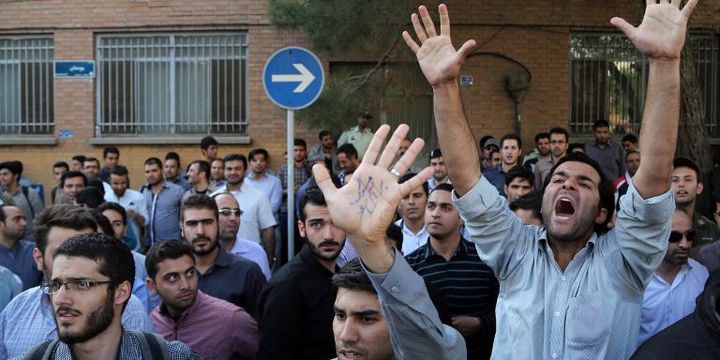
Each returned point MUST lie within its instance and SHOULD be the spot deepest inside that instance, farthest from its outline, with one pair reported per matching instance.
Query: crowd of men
(561, 252)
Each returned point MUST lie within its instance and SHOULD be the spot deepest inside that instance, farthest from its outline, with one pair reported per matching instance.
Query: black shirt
(234, 279)
(296, 311)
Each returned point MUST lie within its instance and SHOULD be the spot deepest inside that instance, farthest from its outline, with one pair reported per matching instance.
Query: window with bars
(608, 79)
(26, 86)
(172, 84)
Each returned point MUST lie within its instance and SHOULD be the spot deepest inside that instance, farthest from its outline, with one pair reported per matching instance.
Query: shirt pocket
(587, 325)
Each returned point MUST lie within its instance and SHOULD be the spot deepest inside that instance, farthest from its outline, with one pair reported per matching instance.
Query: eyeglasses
(81, 285)
(228, 211)
(676, 236)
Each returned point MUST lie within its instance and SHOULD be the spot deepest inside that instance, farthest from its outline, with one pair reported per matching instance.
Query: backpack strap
(26, 191)
(152, 345)
(43, 350)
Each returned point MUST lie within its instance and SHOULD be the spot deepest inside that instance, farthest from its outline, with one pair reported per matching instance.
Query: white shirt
(131, 200)
(412, 241)
(257, 213)
(664, 304)
(271, 186)
(253, 252)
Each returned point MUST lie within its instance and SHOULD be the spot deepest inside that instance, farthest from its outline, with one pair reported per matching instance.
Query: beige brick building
(170, 71)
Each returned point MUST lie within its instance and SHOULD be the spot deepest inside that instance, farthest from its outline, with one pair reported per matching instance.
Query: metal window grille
(26, 86)
(608, 80)
(172, 84)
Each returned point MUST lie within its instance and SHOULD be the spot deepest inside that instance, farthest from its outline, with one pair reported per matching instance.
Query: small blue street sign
(74, 68)
(293, 78)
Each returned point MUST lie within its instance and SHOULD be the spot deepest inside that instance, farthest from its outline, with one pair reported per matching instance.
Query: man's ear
(700, 188)
(301, 228)
(601, 216)
(122, 293)
(150, 284)
(37, 256)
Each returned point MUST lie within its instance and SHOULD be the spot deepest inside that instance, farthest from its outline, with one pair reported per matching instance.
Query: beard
(204, 251)
(97, 322)
(320, 255)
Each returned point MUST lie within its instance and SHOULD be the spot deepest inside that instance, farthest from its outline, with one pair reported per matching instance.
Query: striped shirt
(468, 285)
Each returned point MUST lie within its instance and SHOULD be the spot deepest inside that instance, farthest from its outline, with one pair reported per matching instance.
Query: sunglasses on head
(228, 211)
(676, 236)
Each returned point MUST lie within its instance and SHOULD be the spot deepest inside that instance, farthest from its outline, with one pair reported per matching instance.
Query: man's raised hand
(661, 35)
(438, 59)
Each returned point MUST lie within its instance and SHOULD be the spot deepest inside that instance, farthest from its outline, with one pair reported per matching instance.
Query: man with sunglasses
(229, 214)
(675, 284)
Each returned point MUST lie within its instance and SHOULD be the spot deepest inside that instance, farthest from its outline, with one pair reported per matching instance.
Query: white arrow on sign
(305, 78)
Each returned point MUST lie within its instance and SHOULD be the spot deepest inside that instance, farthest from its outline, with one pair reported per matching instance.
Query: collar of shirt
(544, 244)
(198, 305)
(461, 249)
(307, 257)
(357, 129)
(405, 229)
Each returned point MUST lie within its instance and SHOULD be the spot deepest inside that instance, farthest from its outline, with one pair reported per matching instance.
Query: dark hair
(218, 159)
(172, 156)
(113, 257)
(519, 171)
(435, 154)
(62, 216)
(163, 250)
(98, 184)
(61, 164)
(119, 170)
(15, 167)
(688, 163)
(484, 139)
(348, 149)
(560, 130)
(605, 187)
(407, 176)
(199, 201)
(395, 234)
(110, 150)
(104, 223)
(530, 201)
(79, 158)
(300, 142)
(444, 186)
(322, 134)
(511, 137)
(574, 146)
(2, 213)
(366, 115)
(153, 161)
(630, 137)
(600, 123)
(352, 277)
(312, 195)
(72, 174)
(236, 157)
(207, 141)
(91, 159)
(114, 207)
(260, 151)
(631, 152)
(542, 135)
(90, 196)
(203, 167)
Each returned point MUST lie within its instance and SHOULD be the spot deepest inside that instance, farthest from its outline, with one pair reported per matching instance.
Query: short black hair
(15, 167)
(207, 141)
(605, 187)
(110, 150)
(530, 201)
(163, 250)
(352, 277)
(349, 151)
(236, 157)
(300, 142)
(61, 164)
(600, 123)
(688, 163)
(114, 207)
(91, 159)
(485, 139)
(407, 176)
(314, 196)
(435, 154)
(153, 161)
(542, 135)
(104, 223)
(203, 167)
(631, 152)
(444, 187)
(79, 158)
(261, 151)
(519, 171)
(560, 130)
(119, 171)
(199, 201)
(113, 257)
(171, 155)
(72, 174)
(630, 137)
(322, 134)
(90, 196)
(511, 137)
(63, 216)
(573, 146)
(395, 234)
(2, 213)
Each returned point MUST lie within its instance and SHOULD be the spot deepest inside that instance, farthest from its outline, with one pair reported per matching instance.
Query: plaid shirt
(301, 175)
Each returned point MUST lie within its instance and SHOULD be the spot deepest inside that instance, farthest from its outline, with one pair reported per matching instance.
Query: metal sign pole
(291, 183)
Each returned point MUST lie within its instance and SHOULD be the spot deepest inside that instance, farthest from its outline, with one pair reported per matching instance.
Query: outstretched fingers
(419, 30)
(444, 20)
(390, 152)
(689, 8)
(410, 155)
(410, 42)
(415, 182)
(624, 26)
(427, 21)
(322, 178)
(376, 145)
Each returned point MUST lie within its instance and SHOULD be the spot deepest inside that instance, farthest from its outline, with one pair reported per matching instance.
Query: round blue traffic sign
(293, 78)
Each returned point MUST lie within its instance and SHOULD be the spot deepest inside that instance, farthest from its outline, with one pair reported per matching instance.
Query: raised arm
(441, 64)
(661, 37)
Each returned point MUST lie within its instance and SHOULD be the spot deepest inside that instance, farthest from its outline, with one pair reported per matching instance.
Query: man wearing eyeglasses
(675, 284)
(229, 214)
